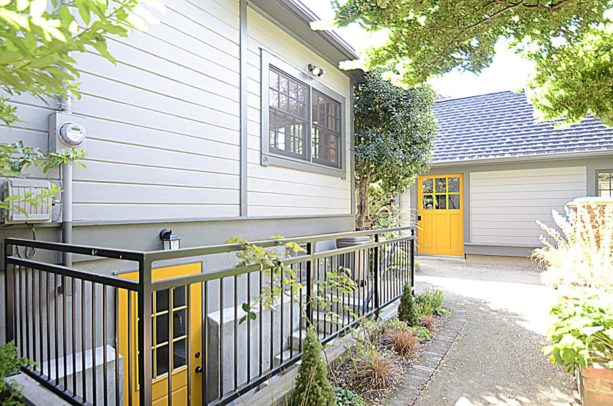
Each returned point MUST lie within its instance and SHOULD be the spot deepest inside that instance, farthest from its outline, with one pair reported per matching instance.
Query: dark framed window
(325, 129)
(604, 183)
(287, 109)
(302, 120)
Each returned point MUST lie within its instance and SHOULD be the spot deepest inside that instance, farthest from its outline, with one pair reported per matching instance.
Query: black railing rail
(89, 349)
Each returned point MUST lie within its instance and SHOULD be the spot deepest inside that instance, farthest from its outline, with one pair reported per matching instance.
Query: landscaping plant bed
(383, 351)
(377, 381)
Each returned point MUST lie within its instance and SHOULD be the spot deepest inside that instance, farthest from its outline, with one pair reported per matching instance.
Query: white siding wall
(276, 190)
(163, 124)
(505, 205)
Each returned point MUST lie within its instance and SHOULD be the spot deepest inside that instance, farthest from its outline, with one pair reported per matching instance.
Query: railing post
(309, 283)
(413, 261)
(377, 264)
(10, 295)
(145, 307)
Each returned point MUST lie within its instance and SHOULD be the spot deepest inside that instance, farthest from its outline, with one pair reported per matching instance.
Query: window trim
(269, 157)
(598, 172)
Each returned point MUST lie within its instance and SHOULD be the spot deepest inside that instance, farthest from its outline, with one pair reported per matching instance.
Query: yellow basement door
(183, 310)
(441, 215)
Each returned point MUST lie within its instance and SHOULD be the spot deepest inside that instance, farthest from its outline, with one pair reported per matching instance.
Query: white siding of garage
(505, 205)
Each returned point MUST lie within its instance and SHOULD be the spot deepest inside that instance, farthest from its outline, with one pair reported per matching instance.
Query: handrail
(236, 271)
(224, 248)
(36, 287)
(158, 255)
(89, 250)
(75, 273)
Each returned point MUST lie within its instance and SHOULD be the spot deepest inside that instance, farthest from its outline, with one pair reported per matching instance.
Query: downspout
(243, 55)
(66, 107)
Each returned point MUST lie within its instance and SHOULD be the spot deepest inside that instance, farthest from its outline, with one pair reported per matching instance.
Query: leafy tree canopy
(394, 135)
(576, 80)
(37, 38)
(568, 39)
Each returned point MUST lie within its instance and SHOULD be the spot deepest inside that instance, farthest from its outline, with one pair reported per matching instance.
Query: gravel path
(497, 359)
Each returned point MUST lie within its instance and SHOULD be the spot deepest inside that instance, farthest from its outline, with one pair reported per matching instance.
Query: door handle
(198, 369)
(418, 218)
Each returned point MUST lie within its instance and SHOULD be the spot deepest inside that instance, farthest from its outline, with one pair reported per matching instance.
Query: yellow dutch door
(184, 311)
(441, 215)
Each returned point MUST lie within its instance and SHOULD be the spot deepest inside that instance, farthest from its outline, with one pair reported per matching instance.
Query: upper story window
(302, 120)
(604, 183)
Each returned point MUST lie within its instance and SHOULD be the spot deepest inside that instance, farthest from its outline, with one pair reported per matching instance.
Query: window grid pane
(287, 115)
(604, 183)
(325, 132)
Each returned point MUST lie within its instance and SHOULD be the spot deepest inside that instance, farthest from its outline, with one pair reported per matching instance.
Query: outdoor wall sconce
(316, 71)
(170, 240)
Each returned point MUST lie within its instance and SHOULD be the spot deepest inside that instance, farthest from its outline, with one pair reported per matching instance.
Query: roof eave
(296, 19)
(523, 158)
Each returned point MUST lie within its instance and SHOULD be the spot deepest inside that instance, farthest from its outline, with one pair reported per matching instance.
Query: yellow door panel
(440, 202)
(185, 314)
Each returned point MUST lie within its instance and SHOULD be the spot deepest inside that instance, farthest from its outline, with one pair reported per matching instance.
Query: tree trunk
(362, 221)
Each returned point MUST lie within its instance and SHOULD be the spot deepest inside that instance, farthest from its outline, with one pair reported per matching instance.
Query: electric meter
(72, 134)
(66, 132)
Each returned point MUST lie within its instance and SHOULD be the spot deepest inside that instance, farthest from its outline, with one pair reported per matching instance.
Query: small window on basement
(604, 183)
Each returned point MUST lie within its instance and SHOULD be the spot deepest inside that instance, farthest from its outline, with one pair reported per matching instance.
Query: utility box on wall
(66, 131)
(21, 210)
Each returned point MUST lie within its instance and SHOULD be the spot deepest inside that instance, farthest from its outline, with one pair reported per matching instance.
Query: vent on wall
(21, 209)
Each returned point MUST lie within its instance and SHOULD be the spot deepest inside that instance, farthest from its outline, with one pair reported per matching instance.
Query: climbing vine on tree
(394, 136)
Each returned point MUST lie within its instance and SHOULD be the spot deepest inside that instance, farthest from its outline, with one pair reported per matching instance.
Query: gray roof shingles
(501, 125)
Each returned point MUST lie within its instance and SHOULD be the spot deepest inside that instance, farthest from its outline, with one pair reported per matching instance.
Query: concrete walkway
(497, 359)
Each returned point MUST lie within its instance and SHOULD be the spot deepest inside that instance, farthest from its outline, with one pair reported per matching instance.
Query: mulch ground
(344, 373)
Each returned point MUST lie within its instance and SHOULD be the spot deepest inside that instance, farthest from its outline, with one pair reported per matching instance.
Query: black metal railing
(143, 335)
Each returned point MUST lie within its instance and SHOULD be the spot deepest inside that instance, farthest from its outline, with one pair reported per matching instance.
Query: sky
(507, 72)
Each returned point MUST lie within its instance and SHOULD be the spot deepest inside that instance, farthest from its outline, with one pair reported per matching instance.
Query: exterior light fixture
(170, 240)
(316, 70)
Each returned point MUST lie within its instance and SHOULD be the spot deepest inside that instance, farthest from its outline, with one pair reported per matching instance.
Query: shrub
(404, 342)
(377, 371)
(407, 310)
(579, 250)
(422, 333)
(345, 397)
(424, 307)
(312, 386)
(582, 332)
(430, 302)
(9, 365)
(428, 322)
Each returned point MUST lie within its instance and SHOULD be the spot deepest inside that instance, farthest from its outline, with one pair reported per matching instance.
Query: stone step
(297, 338)
(287, 354)
(339, 304)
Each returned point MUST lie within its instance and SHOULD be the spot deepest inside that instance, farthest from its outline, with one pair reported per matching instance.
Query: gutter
(558, 156)
(295, 18)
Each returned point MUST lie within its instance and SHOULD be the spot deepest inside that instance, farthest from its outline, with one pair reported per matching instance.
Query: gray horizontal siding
(163, 123)
(505, 205)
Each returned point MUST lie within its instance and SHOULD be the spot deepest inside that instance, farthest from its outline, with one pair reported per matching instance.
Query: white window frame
(269, 157)
(598, 172)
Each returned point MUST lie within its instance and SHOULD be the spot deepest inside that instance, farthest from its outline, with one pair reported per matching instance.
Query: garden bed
(343, 375)
(383, 351)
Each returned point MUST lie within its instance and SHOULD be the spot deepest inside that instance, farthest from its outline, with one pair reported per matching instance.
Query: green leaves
(394, 136)
(582, 331)
(17, 158)
(37, 39)
(433, 37)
